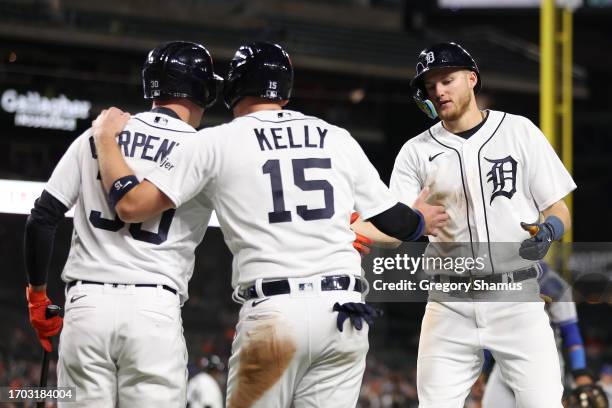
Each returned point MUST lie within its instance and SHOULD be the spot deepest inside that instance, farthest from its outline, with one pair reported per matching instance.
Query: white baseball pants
(123, 347)
(518, 334)
(288, 352)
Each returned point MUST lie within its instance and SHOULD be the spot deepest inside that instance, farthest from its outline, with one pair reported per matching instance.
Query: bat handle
(50, 311)
(532, 229)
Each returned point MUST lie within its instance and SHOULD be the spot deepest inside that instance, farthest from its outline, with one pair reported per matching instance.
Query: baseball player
(492, 171)
(122, 343)
(283, 186)
(563, 317)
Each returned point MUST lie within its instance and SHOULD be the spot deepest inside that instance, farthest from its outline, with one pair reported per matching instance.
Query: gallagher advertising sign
(34, 110)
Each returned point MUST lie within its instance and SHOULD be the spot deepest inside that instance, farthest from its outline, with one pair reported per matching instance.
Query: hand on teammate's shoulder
(109, 123)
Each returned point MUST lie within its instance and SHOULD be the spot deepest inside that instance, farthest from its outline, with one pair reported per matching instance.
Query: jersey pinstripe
(505, 173)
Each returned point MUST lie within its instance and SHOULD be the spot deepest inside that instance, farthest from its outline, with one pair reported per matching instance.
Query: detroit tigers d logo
(503, 177)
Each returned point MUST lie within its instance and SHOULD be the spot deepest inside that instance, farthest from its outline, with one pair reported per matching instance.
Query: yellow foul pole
(556, 96)
(547, 71)
(567, 112)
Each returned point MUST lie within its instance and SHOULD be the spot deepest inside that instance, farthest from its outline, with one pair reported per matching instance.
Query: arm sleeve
(189, 169)
(65, 182)
(40, 235)
(401, 222)
(572, 341)
(405, 181)
(549, 180)
(372, 196)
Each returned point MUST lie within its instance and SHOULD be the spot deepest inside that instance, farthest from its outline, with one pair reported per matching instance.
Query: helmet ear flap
(424, 104)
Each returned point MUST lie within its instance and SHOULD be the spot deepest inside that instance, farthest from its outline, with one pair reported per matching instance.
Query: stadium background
(353, 60)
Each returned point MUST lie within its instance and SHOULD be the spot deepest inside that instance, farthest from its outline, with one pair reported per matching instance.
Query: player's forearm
(559, 210)
(380, 239)
(111, 162)
(39, 237)
(143, 202)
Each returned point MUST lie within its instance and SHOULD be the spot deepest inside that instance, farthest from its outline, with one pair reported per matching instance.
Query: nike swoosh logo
(127, 184)
(255, 302)
(75, 298)
(431, 158)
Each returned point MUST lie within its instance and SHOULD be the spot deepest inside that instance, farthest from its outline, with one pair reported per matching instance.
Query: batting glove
(542, 236)
(357, 312)
(44, 328)
(361, 243)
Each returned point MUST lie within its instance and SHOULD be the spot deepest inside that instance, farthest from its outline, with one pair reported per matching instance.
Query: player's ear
(472, 79)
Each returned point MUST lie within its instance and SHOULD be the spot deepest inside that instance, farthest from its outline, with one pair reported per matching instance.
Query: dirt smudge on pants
(263, 360)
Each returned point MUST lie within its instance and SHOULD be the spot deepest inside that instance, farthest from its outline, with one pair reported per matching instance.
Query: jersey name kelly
(284, 138)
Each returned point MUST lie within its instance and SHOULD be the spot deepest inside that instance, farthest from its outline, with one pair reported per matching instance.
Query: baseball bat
(531, 228)
(50, 311)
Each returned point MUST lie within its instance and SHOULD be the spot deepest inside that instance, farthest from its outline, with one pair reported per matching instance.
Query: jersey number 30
(95, 217)
(280, 214)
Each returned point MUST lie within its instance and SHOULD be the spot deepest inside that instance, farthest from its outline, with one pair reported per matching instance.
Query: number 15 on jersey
(280, 213)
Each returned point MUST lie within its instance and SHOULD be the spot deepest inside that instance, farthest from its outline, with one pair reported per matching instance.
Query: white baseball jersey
(204, 392)
(505, 173)
(104, 248)
(283, 186)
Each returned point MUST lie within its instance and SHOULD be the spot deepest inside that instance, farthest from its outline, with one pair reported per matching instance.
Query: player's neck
(186, 110)
(250, 104)
(470, 119)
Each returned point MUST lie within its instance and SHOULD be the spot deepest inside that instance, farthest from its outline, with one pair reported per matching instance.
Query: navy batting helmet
(259, 69)
(181, 69)
(443, 55)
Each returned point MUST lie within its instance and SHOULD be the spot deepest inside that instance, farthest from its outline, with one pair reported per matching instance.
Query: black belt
(138, 285)
(516, 276)
(281, 287)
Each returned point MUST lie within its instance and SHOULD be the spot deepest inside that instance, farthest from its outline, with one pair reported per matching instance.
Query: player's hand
(44, 328)
(357, 313)
(583, 380)
(435, 215)
(109, 123)
(361, 243)
(536, 247)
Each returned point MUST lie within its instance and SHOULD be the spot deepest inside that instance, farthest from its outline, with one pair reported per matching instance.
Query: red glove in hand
(361, 244)
(45, 328)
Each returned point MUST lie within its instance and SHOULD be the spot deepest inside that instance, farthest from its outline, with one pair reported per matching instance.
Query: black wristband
(121, 187)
